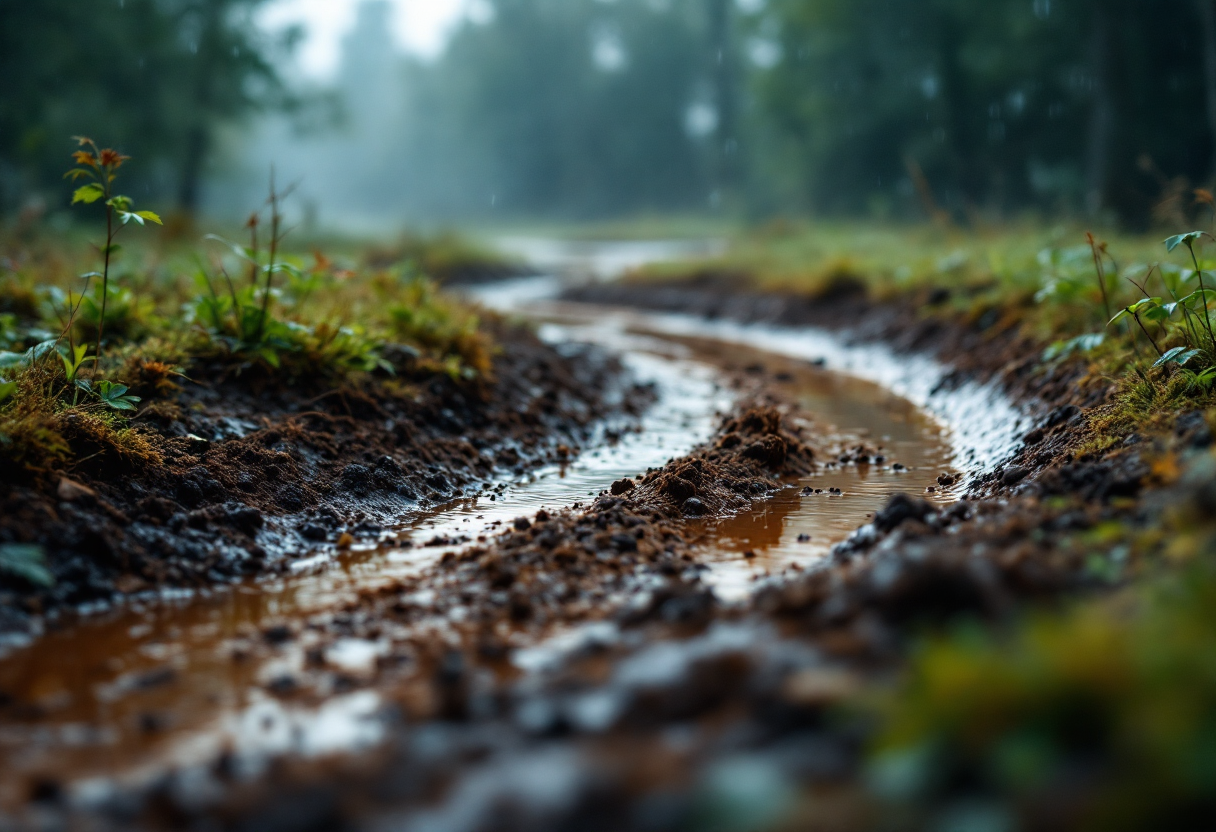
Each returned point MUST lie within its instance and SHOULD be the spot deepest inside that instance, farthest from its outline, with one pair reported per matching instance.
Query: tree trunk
(198, 135)
(1207, 16)
(723, 71)
(960, 115)
(1102, 117)
(189, 189)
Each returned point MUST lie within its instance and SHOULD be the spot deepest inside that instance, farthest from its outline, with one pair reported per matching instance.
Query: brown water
(172, 681)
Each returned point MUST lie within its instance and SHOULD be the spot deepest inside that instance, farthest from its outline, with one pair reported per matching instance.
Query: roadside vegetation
(1132, 307)
(1100, 714)
(94, 337)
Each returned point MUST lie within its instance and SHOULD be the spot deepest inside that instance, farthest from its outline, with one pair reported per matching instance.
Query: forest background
(581, 110)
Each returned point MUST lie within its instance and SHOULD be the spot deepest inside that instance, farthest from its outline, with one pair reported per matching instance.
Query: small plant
(7, 389)
(115, 396)
(101, 167)
(73, 359)
(1194, 329)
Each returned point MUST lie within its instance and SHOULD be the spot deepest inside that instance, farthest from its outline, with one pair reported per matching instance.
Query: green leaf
(1182, 239)
(1197, 295)
(239, 251)
(1178, 355)
(1156, 313)
(270, 357)
(1123, 313)
(1082, 343)
(150, 216)
(76, 173)
(110, 389)
(7, 389)
(26, 562)
(114, 395)
(88, 194)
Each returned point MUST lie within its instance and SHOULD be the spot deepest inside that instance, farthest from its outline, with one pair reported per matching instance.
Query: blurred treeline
(156, 78)
(570, 109)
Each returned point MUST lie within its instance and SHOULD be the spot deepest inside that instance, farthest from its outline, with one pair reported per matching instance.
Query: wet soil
(246, 476)
(578, 670)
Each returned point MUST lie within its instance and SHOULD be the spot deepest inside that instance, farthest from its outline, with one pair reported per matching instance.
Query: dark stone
(625, 542)
(900, 508)
(357, 478)
(244, 518)
(1193, 429)
(1061, 415)
(694, 508)
(283, 685)
(278, 634)
(314, 531)
(622, 487)
(1014, 475)
(522, 524)
(46, 790)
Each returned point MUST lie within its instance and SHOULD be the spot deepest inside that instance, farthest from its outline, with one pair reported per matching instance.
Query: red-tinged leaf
(112, 158)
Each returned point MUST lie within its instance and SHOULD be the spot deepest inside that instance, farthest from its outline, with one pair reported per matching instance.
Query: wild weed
(100, 167)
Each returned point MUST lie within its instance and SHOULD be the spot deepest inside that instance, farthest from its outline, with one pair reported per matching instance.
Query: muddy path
(320, 664)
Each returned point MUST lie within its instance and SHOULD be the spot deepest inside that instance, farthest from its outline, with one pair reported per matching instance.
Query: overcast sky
(420, 26)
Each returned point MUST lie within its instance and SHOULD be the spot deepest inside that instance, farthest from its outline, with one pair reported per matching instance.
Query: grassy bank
(1099, 713)
(105, 327)
(1130, 306)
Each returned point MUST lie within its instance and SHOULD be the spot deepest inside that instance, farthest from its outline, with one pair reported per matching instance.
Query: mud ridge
(247, 476)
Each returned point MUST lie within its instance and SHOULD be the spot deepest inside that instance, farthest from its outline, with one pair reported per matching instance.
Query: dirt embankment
(679, 702)
(243, 476)
(655, 723)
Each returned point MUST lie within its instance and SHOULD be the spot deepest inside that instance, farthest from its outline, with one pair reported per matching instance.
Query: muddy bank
(622, 562)
(242, 475)
(653, 705)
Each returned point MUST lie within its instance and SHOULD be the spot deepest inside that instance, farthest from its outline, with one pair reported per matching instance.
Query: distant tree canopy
(567, 108)
(955, 107)
(591, 108)
(154, 77)
(1072, 104)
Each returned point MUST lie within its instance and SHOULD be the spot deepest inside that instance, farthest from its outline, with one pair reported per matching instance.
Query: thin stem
(1093, 247)
(105, 280)
(253, 267)
(1189, 334)
(1204, 291)
(274, 244)
(1146, 335)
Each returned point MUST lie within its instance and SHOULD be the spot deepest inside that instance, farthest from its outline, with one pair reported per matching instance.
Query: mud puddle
(171, 681)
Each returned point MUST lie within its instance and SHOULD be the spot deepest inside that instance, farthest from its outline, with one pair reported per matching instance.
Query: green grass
(1040, 281)
(1103, 715)
(179, 309)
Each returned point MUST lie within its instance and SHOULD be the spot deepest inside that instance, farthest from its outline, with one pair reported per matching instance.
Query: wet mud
(246, 476)
(582, 668)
